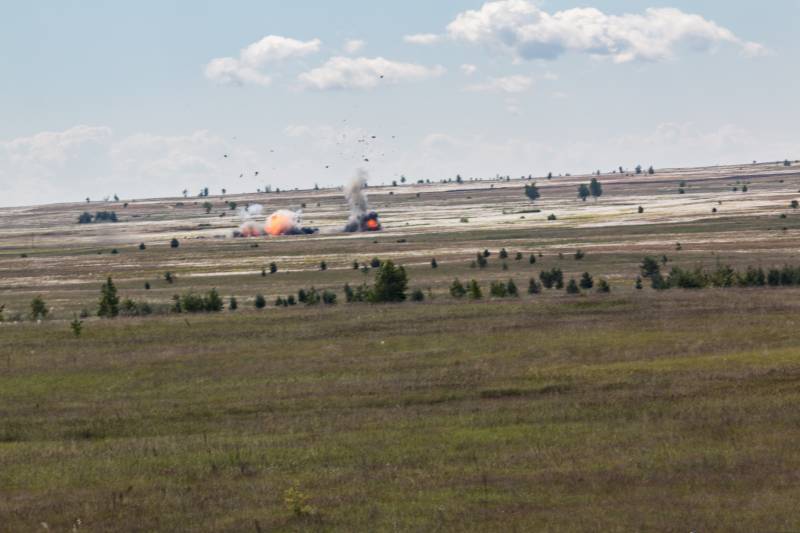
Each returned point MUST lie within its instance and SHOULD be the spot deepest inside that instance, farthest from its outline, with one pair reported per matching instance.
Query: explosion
(361, 217)
(285, 222)
(281, 222)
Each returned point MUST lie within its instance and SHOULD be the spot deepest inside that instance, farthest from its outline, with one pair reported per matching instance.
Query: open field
(634, 410)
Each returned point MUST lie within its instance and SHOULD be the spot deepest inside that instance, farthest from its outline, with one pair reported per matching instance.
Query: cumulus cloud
(364, 73)
(353, 46)
(248, 67)
(522, 29)
(506, 84)
(422, 38)
(468, 69)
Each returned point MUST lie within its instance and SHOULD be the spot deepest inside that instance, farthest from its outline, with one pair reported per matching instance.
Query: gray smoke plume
(361, 218)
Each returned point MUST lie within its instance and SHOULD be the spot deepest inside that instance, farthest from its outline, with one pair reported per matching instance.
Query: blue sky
(99, 98)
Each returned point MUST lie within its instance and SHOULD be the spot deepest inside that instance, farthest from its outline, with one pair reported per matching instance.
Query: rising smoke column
(361, 217)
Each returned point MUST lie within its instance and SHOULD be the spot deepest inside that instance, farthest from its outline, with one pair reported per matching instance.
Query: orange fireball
(372, 224)
(280, 223)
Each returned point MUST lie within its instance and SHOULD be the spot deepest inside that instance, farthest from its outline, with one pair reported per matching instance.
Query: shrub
(375, 262)
(273, 267)
(498, 289)
(260, 301)
(518, 257)
(794, 204)
(355, 265)
(208, 206)
(583, 192)
(169, 277)
(108, 306)
(486, 252)
(233, 305)
(511, 288)
(572, 287)
(551, 217)
(85, 218)
(328, 297)
(552, 278)
(532, 192)
(481, 260)
(641, 210)
(39, 309)
(534, 287)
(649, 267)
(417, 295)
(197, 303)
(596, 188)
(603, 287)
(503, 254)
(133, 308)
(434, 264)
(142, 246)
(323, 265)
(687, 279)
(474, 290)
(586, 281)
(391, 283)
(532, 259)
(638, 284)
(76, 326)
(174, 243)
(580, 254)
(457, 289)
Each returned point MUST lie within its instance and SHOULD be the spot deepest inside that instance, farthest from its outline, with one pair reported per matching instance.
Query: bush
(572, 287)
(142, 246)
(328, 298)
(323, 265)
(391, 283)
(551, 217)
(532, 259)
(638, 284)
(474, 290)
(498, 289)
(641, 210)
(649, 267)
(687, 279)
(273, 267)
(174, 243)
(355, 265)
(511, 288)
(503, 254)
(434, 264)
(260, 301)
(586, 281)
(39, 309)
(169, 278)
(85, 218)
(518, 257)
(486, 253)
(552, 278)
(132, 308)
(233, 305)
(198, 303)
(108, 306)
(481, 260)
(375, 263)
(457, 290)
(534, 287)
(603, 287)
(579, 255)
(417, 295)
(794, 204)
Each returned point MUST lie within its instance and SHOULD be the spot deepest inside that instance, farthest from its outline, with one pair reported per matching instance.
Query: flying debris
(361, 217)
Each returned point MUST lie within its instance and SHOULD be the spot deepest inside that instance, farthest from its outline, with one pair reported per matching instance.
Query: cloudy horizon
(142, 101)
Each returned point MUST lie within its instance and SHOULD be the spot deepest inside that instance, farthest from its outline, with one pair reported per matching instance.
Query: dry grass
(637, 410)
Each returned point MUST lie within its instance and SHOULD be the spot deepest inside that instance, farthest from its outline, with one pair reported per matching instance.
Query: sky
(154, 97)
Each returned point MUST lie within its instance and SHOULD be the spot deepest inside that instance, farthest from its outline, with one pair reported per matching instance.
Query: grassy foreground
(650, 412)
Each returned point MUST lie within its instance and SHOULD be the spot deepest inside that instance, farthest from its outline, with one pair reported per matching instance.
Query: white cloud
(248, 68)
(423, 38)
(353, 46)
(550, 76)
(525, 31)
(364, 73)
(468, 69)
(506, 84)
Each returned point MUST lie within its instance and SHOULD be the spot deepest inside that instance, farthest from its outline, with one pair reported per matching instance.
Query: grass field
(637, 410)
